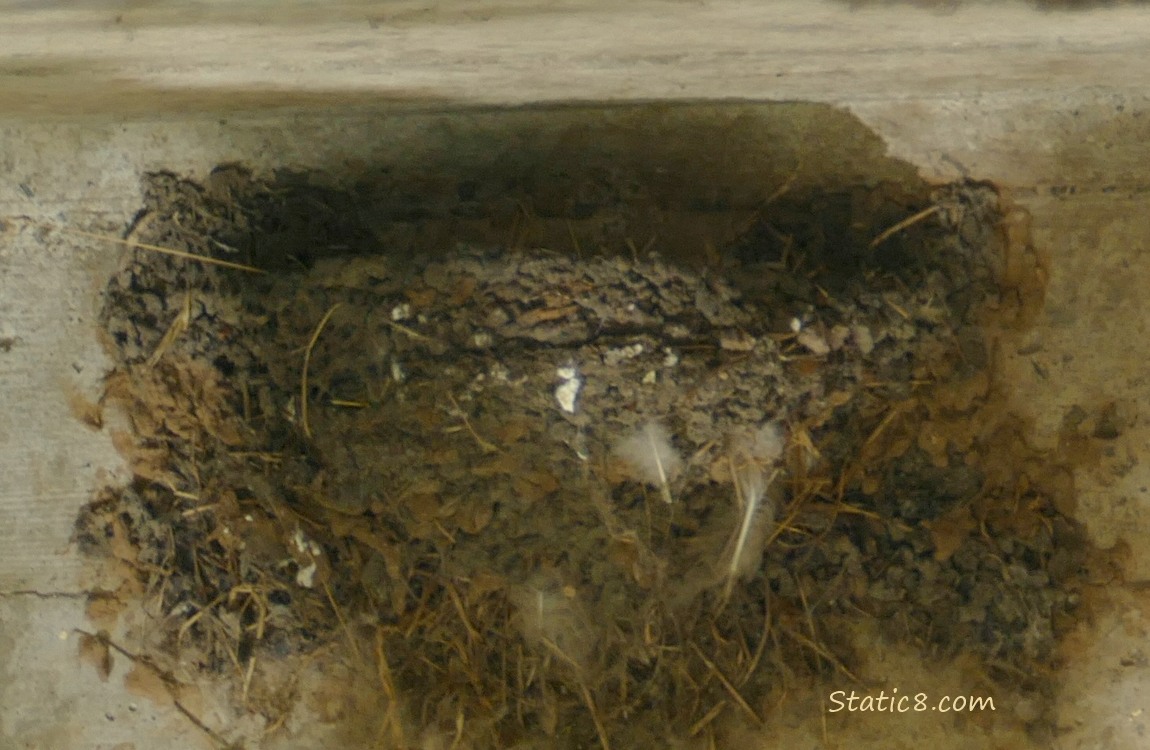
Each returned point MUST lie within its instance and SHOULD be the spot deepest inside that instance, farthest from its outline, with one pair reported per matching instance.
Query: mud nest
(515, 482)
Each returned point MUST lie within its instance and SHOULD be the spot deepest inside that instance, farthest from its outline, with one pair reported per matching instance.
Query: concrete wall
(1054, 105)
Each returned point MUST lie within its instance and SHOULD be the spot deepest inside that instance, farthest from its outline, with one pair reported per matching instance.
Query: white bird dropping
(568, 390)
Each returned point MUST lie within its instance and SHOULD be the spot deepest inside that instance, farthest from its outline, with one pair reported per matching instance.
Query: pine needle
(162, 250)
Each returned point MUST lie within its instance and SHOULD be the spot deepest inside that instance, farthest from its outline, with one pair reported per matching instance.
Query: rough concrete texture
(1049, 104)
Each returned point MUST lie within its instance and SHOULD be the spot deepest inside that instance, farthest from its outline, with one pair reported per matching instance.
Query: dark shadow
(690, 180)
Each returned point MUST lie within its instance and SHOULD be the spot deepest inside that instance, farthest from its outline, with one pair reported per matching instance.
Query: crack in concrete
(45, 594)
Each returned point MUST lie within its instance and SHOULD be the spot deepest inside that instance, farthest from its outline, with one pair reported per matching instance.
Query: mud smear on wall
(602, 444)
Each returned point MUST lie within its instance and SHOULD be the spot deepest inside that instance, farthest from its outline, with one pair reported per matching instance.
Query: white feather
(649, 453)
(765, 445)
(758, 515)
(757, 451)
(550, 618)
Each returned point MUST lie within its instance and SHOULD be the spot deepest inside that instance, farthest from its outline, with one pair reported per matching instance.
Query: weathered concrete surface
(1052, 105)
(132, 56)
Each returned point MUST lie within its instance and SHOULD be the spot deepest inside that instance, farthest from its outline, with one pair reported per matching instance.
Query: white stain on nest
(305, 576)
(567, 392)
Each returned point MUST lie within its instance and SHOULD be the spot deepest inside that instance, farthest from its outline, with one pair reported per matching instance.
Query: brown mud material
(444, 476)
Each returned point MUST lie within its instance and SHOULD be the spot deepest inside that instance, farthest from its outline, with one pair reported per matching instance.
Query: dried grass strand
(599, 728)
(391, 718)
(728, 686)
(707, 718)
(303, 399)
(137, 245)
(907, 222)
(176, 329)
